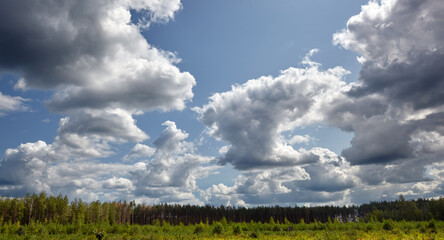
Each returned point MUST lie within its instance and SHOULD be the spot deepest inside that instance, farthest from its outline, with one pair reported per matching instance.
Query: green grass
(357, 230)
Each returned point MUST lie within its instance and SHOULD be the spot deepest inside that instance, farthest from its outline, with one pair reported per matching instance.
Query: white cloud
(25, 168)
(395, 109)
(10, 104)
(171, 142)
(100, 67)
(398, 28)
(172, 172)
(118, 183)
(169, 176)
(298, 139)
(252, 116)
(114, 124)
(329, 179)
(159, 11)
(139, 151)
(102, 72)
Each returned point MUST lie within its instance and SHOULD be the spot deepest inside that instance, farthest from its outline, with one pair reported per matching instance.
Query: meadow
(388, 229)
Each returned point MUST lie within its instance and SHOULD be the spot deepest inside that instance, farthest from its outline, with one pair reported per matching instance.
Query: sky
(240, 103)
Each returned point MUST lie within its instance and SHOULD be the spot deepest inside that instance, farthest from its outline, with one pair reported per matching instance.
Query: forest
(46, 209)
(46, 215)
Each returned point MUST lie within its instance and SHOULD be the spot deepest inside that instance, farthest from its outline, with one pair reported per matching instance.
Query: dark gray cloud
(402, 64)
(396, 107)
(379, 140)
(55, 43)
(418, 83)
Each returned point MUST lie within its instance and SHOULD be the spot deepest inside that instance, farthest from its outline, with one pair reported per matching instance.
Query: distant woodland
(41, 208)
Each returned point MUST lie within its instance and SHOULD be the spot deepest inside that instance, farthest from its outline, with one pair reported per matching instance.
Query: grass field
(373, 230)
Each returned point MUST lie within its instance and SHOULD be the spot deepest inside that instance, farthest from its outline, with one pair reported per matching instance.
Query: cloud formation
(100, 67)
(102, 72)
(172, 172)
(324, 181)
(139, 151)
(160, 175)
(402, 53)
(395, 110)
(10, 104)
(252, 116)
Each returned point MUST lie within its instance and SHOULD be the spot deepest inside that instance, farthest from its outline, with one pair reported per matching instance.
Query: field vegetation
(49, 217)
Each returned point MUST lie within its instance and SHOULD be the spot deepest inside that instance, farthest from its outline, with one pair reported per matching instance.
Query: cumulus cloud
(257, 119)
(10, 104)
(139, 151)
(400, 29)
(92, 54)
(330, 173)
(100, 67)
(160, 175)
(172, 172)
(118, 183)
(38, 166)
(114, 124)
(102, 71)
(171, 141)
(326, 180)
(401, 44)
(252, 116)
(26, 167)
(298, 139)
(395, 109)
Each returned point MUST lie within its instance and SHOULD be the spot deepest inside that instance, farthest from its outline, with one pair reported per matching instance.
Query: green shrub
(388, 225)
(71, 229)
(135, 230)
(237, 229)
(87, 229)
(224, 221)
(276, 228)
(199, 229)
(218, 229)
(432, 226)
(254, 235)
(368, 227)
(21, 231)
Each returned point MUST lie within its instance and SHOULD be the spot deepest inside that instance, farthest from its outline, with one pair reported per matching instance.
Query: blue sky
(222, 102)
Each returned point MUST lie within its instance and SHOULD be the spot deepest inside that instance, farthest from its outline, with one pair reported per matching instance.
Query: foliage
(388, 225)
(199, 229)
(218, 228)
(40, 214)
(333, 230)
(237, 229)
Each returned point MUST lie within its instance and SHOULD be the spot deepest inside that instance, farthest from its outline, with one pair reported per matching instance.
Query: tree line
(43, 208)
